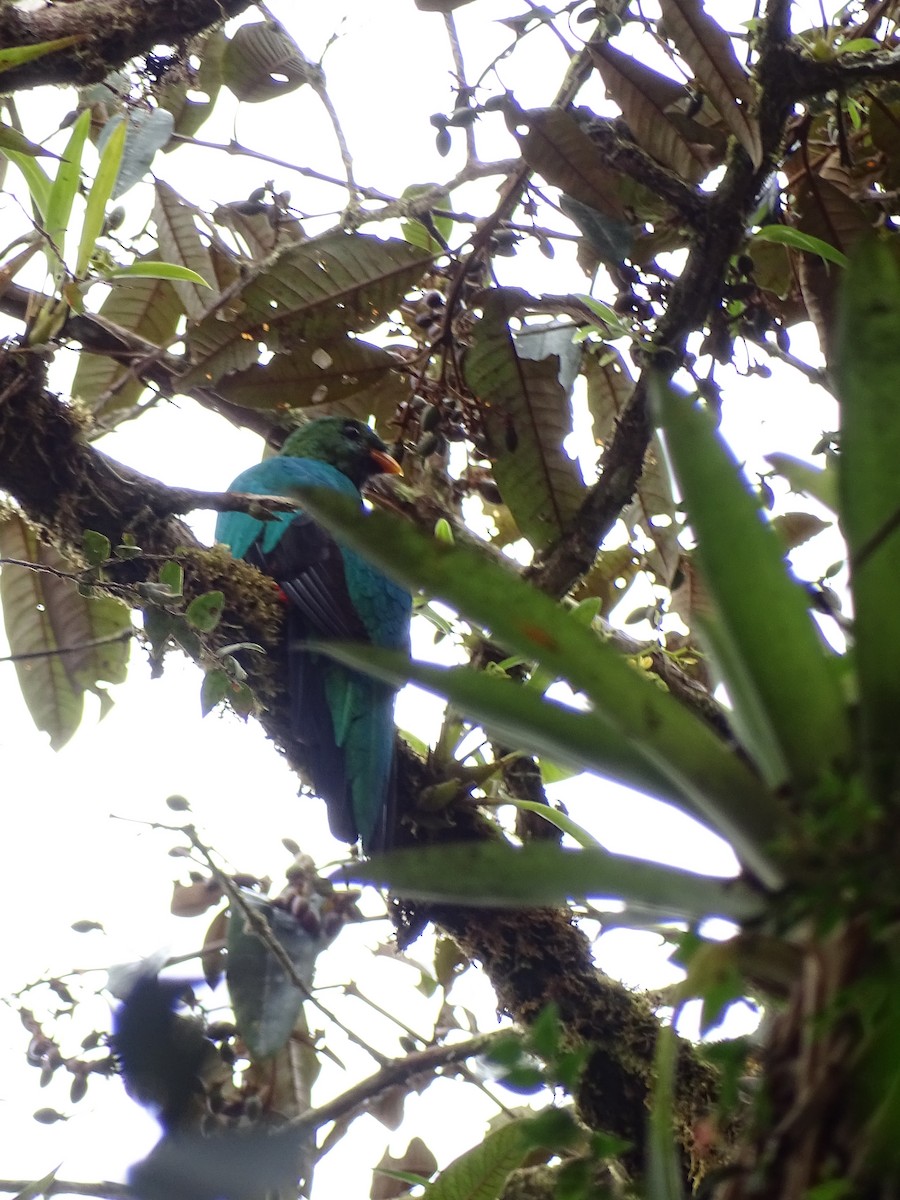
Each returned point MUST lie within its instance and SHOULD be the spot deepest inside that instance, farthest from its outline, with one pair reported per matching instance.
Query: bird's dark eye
(352, 432)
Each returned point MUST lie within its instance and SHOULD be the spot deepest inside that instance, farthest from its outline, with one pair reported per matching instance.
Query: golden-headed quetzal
(343, 720)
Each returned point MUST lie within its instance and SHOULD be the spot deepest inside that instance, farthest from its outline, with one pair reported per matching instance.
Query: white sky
(62, 858)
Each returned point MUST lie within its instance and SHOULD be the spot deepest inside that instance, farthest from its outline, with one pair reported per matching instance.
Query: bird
(342, 720)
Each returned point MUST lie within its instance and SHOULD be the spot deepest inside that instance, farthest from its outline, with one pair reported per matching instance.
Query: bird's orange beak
(385, 462)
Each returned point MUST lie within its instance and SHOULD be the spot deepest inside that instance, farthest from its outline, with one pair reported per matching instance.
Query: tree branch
(110, 32)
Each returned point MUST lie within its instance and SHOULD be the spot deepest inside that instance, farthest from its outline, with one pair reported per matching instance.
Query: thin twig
(463, 90)
(60, 651)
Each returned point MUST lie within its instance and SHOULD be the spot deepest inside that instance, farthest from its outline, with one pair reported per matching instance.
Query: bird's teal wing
(344, 720)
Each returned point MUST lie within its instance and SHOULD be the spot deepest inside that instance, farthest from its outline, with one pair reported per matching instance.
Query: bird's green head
(349, 445)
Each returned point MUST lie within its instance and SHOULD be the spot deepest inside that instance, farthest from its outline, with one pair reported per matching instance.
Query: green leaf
(35, 177)
(782, 681)
(661, 732)
(156, 270)
(266, 1001)
(205, 612)
(560, 820)
(500, 875)
(663, 1167)
(418, 232)
(787, 235)
(11, 139)
(67, 637)
(215, 688)
(482, 1172)
(330, 371)
(807, 479)
(868, 375)
(146, 133)
(171, 575)
(96, 547)
(65, 185)
(15, 56)
(95, 210)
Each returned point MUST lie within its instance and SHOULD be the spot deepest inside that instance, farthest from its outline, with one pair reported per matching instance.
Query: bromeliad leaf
(14, 56)
(762, 636)
(868, 373)
(95, 210)
(540, 873)
(523, 718)
(157, 270)
(62, 192)
(525, 621)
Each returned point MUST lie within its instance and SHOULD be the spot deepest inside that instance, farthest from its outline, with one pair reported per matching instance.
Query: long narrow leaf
(663, 1167)
(583, 740)
(679, 745)
(95, 210)
(35, 177)
(782, 682)
(868, 373)
(65, 185)
(500, 875)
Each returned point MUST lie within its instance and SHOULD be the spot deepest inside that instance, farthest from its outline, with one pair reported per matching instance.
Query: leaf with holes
(318, 289)
(706, 48)
(56, 632)
(335, 369)
(526, 416)
(191, 100)
(261, 62)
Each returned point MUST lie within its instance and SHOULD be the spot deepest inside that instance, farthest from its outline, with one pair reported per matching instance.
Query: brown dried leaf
(213, 955)
(194, 899)
(645, 96)
(708, 51)
(558, 148)
(180, 243)
(417, 1159)
(795, 528)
